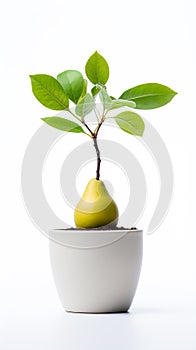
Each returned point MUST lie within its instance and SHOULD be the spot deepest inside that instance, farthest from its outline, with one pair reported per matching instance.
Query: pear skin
(96, 207)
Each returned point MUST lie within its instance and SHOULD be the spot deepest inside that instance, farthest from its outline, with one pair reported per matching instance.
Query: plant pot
(96, 271)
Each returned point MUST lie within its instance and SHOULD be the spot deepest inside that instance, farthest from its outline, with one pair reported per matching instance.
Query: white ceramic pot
(96, 271)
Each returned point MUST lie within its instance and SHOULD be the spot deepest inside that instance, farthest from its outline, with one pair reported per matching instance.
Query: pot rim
(90, 239)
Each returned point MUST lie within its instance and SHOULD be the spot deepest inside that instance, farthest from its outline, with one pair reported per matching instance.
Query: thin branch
(91, 132)
(75, 116)
(83, 122)
(99, 125)
(93, 135)
(98, 158)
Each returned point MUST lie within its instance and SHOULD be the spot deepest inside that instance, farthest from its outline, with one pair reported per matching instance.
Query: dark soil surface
(103, 228)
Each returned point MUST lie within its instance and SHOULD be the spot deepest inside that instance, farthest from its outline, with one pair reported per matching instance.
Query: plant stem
(97, 148)
(98, 127)
(92, 134)
(75, 116)
(98, 157)
(83, 122)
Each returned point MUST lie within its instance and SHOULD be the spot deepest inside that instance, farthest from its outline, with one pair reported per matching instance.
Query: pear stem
(98, 157)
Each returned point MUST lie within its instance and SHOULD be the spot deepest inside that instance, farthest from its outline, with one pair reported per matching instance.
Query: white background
(143, 41)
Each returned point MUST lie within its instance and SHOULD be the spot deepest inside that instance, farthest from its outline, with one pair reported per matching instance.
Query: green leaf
(122, 103)
(97, 69)
(85, 106)
(49, 92)
(72, 82)
(130, 122)
(95, 90)
(84, 90)
(105, 98)
(149, 96)
(63, 124)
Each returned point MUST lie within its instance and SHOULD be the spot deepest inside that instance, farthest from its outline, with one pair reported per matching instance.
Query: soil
(103, 228)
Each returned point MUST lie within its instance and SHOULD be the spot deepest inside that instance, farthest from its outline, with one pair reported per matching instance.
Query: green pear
(96, 207)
